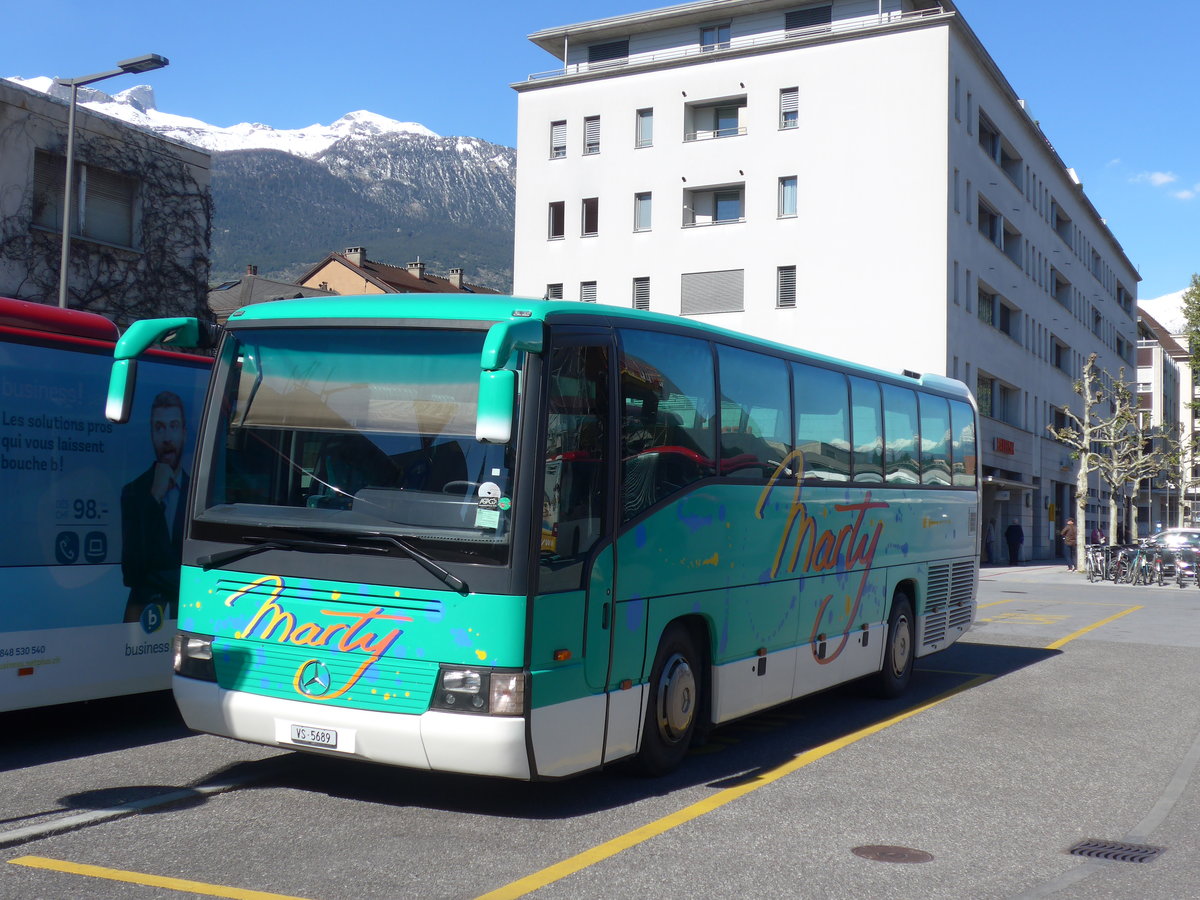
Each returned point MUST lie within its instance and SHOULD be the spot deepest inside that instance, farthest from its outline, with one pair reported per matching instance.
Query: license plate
(314, 737)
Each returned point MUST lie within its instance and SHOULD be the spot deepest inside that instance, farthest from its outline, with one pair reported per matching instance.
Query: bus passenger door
(576, 572)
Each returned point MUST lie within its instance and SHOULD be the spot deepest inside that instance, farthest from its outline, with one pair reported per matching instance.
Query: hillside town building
(855, 178)
(352, 273)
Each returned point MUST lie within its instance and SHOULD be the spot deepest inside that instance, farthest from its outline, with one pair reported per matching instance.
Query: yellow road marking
(590, 857)
(1082, 631)
(995, 603)
(173, 884)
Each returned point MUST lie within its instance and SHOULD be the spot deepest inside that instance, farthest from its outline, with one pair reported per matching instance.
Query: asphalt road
(1068, 714)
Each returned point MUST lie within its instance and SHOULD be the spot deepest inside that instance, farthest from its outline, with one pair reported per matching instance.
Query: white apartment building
(854, 177)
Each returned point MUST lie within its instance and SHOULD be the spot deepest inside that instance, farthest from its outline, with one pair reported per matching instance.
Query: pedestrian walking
(989, 542)
(1014, 536)
(1069, 535)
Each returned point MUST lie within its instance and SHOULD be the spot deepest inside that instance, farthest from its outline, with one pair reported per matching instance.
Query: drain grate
(883, 853)
(1118, 851)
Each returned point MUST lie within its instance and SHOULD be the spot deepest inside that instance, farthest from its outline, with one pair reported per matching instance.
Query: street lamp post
(145, 63)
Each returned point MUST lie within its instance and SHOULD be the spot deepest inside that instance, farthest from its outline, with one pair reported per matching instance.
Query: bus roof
(447, 308)
(41, 317)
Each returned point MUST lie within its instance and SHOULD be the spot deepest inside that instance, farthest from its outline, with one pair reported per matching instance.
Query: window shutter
(554, 291)
(712, 292)
(789, 107)
(785, 292)
(587, 291)
(591, 134)
(558, 139)
(610, 52)
(48, 176)
(641, 293)
(808, 18)
(108, 209)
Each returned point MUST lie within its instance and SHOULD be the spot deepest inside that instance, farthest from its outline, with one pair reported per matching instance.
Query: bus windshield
(356, 430)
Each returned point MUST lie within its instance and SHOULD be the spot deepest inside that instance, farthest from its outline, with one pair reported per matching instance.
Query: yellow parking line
(1082, 631)
(173, 884)
(995, 603)
(590, 857)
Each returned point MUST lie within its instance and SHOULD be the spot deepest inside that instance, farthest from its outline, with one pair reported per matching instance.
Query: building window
(610, 53)
(590, 224)
(999, 149)
(644, 133)
(587, 291)
(787, 196)
(558, 140)
(642, 211)
(998, 312)
(713, 206)
(789, 107)
(103, 209)
(641, 293)
(591, 135)
(558, 219)
(705, 121)
(714, 37)
(785, 287)
(1060, 356)
(712, 292)
(813, 19)
(999, 231)
(554, 291)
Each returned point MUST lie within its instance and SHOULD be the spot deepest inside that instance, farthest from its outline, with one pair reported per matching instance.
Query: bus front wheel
(673, 706)
(900, 648)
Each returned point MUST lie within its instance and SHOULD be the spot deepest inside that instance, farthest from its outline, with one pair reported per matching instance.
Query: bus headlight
(193, 656)
(478, 690)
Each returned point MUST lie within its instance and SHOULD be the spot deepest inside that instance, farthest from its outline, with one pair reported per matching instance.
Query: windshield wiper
(451, 581)
(437, 571)
(260, 546)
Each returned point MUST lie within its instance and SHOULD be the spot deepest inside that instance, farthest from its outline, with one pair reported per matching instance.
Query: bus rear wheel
(900, 649)
(674, 703)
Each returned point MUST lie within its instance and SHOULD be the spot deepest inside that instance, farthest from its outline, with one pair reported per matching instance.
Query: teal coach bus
(527, 539)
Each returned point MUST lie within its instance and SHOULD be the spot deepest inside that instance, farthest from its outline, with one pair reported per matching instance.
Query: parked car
(1180, 551)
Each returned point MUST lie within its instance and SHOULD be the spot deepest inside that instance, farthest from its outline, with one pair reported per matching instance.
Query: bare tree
(1090, 437)
(1135, 451)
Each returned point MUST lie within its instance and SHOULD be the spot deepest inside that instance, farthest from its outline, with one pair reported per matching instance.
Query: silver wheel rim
(676, 699)
(901, 648)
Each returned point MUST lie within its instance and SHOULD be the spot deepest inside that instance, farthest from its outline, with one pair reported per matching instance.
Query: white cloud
(1157, 179)
(1185, 194)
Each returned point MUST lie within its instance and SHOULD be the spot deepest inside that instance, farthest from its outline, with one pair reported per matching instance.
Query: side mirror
(497, 396)
(185, 332)
(121, 382)
(498, 385)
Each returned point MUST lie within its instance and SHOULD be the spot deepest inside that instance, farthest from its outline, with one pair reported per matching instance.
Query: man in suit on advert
(152, 515)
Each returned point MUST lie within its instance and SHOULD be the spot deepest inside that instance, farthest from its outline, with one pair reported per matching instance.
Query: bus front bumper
(441, 741)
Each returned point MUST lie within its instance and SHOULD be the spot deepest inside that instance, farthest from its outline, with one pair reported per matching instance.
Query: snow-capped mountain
(137, 107)
(283, 199)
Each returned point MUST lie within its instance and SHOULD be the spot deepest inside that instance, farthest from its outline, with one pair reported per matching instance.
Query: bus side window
(667, 436)
(822, 423)
(900, 429)
(867, 430)
(756, 416)
(962, 432)
(576, 481)
(935, 440)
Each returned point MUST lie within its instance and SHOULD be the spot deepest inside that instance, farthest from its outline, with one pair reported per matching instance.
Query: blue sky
(1114, 87)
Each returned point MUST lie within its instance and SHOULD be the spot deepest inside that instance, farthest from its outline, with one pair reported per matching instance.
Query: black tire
(1091, 570)
(899, 649)
(674, 702)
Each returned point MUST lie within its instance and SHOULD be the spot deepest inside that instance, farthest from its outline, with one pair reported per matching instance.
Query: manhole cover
(883, 853)
(1116, 850)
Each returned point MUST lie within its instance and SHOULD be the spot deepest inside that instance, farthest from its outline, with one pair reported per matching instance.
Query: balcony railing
(711, 51)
